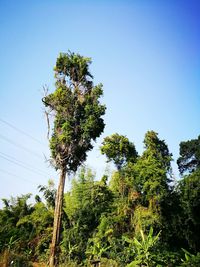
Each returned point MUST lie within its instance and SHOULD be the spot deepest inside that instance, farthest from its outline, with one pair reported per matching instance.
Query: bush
(191, 260)
(15, 260)
(108, 263)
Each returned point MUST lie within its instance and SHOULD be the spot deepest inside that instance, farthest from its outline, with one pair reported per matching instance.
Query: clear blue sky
(146, 54)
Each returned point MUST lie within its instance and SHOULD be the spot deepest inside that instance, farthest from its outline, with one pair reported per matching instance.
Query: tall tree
(153, 169)
(189, 159)
(189, 193)
(151, 175)
(77, 121)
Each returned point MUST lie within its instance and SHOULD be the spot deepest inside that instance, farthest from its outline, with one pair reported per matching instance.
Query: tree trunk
(54, 250)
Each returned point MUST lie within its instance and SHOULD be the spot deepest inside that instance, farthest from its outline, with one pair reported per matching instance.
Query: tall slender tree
(77, 122)
(152, 172)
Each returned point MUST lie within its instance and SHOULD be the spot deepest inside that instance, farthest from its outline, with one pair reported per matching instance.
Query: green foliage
(151, 173)
(119, 149)
(189, 159)
(27, 231)
(111, 223)
(108, 263)
(49, 193)
(78, 121)
(180, 209)
(74, 67)
(84, 205)
(143, 249)
(41, 220)
(157, 149)
(190, 259)
(99, 243)
(13, 237)
(189, 189)
(12, 259)
(77, 110)
(87, 196)
(189, 194)
(164, 257)
(143, 217)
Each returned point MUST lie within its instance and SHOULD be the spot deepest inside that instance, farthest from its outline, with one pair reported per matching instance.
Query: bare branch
(48, 123)
(45, 92)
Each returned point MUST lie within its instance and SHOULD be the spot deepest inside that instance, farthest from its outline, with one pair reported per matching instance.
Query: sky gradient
(146, 54)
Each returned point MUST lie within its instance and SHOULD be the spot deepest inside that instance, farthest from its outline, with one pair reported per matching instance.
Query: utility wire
(23, 163)
(16, 176)
(20, 146)
(22, 132)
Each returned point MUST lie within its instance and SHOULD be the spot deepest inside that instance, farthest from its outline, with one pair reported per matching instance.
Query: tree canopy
(189, 159)
(119, 149)
(77, 111)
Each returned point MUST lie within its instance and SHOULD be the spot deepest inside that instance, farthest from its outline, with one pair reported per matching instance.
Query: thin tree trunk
(53, 260)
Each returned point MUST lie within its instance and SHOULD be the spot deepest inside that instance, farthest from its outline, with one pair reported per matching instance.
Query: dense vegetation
(140, 216)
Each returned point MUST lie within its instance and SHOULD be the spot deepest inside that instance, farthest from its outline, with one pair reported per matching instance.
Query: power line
(20, 146)
(23, 163)
(16, 176)
(22, 132)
